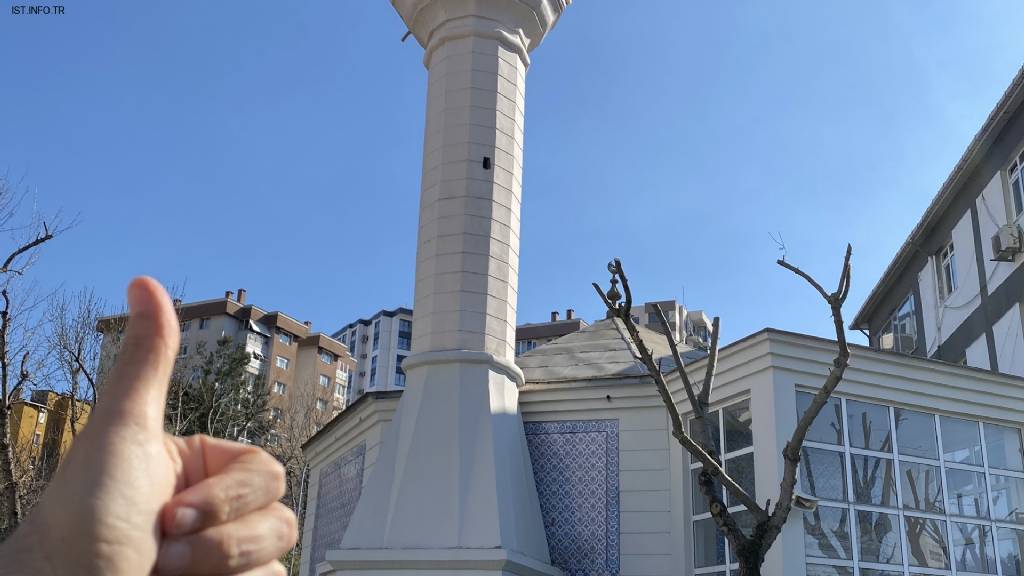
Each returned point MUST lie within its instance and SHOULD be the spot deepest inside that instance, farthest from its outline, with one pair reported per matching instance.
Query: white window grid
(695, 464)
(946, 518)
(1016, 178)
(946, 270)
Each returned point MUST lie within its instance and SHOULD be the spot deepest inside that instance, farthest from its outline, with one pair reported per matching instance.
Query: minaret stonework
(452, 488)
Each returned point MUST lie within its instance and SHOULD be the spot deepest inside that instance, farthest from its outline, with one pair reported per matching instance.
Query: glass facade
(731, 429)
(905, 492)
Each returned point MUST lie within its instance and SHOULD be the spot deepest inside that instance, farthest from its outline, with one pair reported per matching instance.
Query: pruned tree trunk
(10, 498)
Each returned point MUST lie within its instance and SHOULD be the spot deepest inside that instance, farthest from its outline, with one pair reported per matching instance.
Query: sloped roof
(602, 350)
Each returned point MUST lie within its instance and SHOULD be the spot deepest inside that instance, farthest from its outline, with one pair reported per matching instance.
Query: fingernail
(173, 557)
(186, 520)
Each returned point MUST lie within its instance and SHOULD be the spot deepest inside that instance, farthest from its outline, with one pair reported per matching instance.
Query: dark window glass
(708, 544)
(827, 533)
(961, 441)
(1003, 448)
(827, 428)
(873, 480)
(921, 486)
(869, 426)
(825, 570)
(878, 537)
(737, 426)
(915, 434)
(740, 469)
(926, 542)
(972, 548)
(697, 434)
(1007, 498)
(700, 502)
(1010, 544)
(823, 474)
(967, 495)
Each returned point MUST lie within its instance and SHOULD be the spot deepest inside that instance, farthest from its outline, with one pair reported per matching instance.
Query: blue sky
(277, 146)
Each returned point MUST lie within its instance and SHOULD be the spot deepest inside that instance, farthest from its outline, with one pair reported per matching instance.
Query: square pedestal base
(461, 561)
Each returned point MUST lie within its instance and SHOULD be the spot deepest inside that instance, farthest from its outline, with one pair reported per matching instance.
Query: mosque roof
(602, 350)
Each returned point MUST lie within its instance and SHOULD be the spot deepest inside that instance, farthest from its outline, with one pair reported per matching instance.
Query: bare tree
(75, 345)
(752, 540)
(18, 332)
(301, 417)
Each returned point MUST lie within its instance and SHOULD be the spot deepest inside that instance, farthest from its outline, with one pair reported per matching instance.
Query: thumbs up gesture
(131, 500)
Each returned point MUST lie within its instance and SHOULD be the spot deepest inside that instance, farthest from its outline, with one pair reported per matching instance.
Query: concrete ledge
(507, 367)
(394, 562)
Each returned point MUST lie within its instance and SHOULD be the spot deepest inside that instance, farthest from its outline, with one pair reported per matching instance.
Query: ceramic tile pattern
(576, 468)
(339, 487)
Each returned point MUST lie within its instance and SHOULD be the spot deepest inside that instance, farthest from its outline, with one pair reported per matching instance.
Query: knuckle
(231, 550)
(287, 525)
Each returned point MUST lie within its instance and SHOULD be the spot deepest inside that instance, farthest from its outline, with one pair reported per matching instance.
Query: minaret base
(461, 561)
(452, 488)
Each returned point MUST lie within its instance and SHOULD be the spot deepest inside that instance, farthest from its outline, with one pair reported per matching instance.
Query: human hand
(130, 500)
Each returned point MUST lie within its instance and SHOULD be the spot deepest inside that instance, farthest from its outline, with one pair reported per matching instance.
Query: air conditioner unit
(1006, 243)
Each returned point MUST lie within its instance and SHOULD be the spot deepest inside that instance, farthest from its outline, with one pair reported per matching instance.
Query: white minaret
(452, 489)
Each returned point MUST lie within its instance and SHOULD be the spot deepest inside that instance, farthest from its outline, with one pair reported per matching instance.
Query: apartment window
(42, 415)
(325, 381)
(185, 326)
(284, 337)
(733, 438)
(1017, 184)
(376, 334)
(404, 335)
(635, 319)
(373, 371)
(203, 323)
(273, 439)
(326, 357)
(524, 346)
(183, 351)
(900, 332)
(339, 390)
(399, 373)
(321, 404)
(279, 387)
(904, 491)
(37, 439)
(945, 266)
(352, 344)
(276, 414)
(282, 362)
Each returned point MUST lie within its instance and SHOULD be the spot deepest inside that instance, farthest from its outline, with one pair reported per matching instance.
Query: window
(185, 326)
(325, 381)
(900, 332)
(183, 351)
(524, 346)
(399, 373)
(321, 404)
(282, 362)
(326, 357)
(279, 387)
(1017, 185)
(652, 319)
(203, 323)
(276, 415)
(284, 337)
(37, 439)
(42, 415)
(404, 335)
(635, 319)
(352, 344)
(376, 334)
(339, 389)
(730, 428)
(945, 266)
(904, 491)
(373, 371)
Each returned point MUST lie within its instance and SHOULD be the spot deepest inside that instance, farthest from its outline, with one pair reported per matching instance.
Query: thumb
(136, 390)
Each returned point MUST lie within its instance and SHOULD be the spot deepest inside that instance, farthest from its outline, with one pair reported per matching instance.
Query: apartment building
(378, 346)
(955, 288)
(304, 370)
(41, 426)
(692, 327)
(531, 335)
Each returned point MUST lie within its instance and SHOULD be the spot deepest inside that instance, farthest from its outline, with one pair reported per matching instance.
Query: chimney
(229, 294)
(554, 316)
(177, 302)
(569, 313)
(241, 295)
(308, 324)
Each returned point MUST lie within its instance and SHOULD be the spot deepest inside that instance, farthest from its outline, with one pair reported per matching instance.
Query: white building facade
(917, 464)
(955, 290)
(379, 345)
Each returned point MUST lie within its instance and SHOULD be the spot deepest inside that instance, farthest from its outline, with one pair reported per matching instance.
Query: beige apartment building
(304, 370)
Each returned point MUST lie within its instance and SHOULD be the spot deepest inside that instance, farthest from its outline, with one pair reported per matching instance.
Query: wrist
(21, 554)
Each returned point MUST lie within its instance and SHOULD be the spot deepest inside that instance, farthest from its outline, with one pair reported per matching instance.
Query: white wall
(1010, 342)
(992, 214)
(977, 353)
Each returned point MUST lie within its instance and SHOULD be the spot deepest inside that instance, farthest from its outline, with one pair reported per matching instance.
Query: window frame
(948, 518)
(1015, 172)
(278, 359)
(325, 381)
(946, 278)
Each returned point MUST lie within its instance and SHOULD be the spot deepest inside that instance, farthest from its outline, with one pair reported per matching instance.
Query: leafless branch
(712, 365)
(678, 359)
